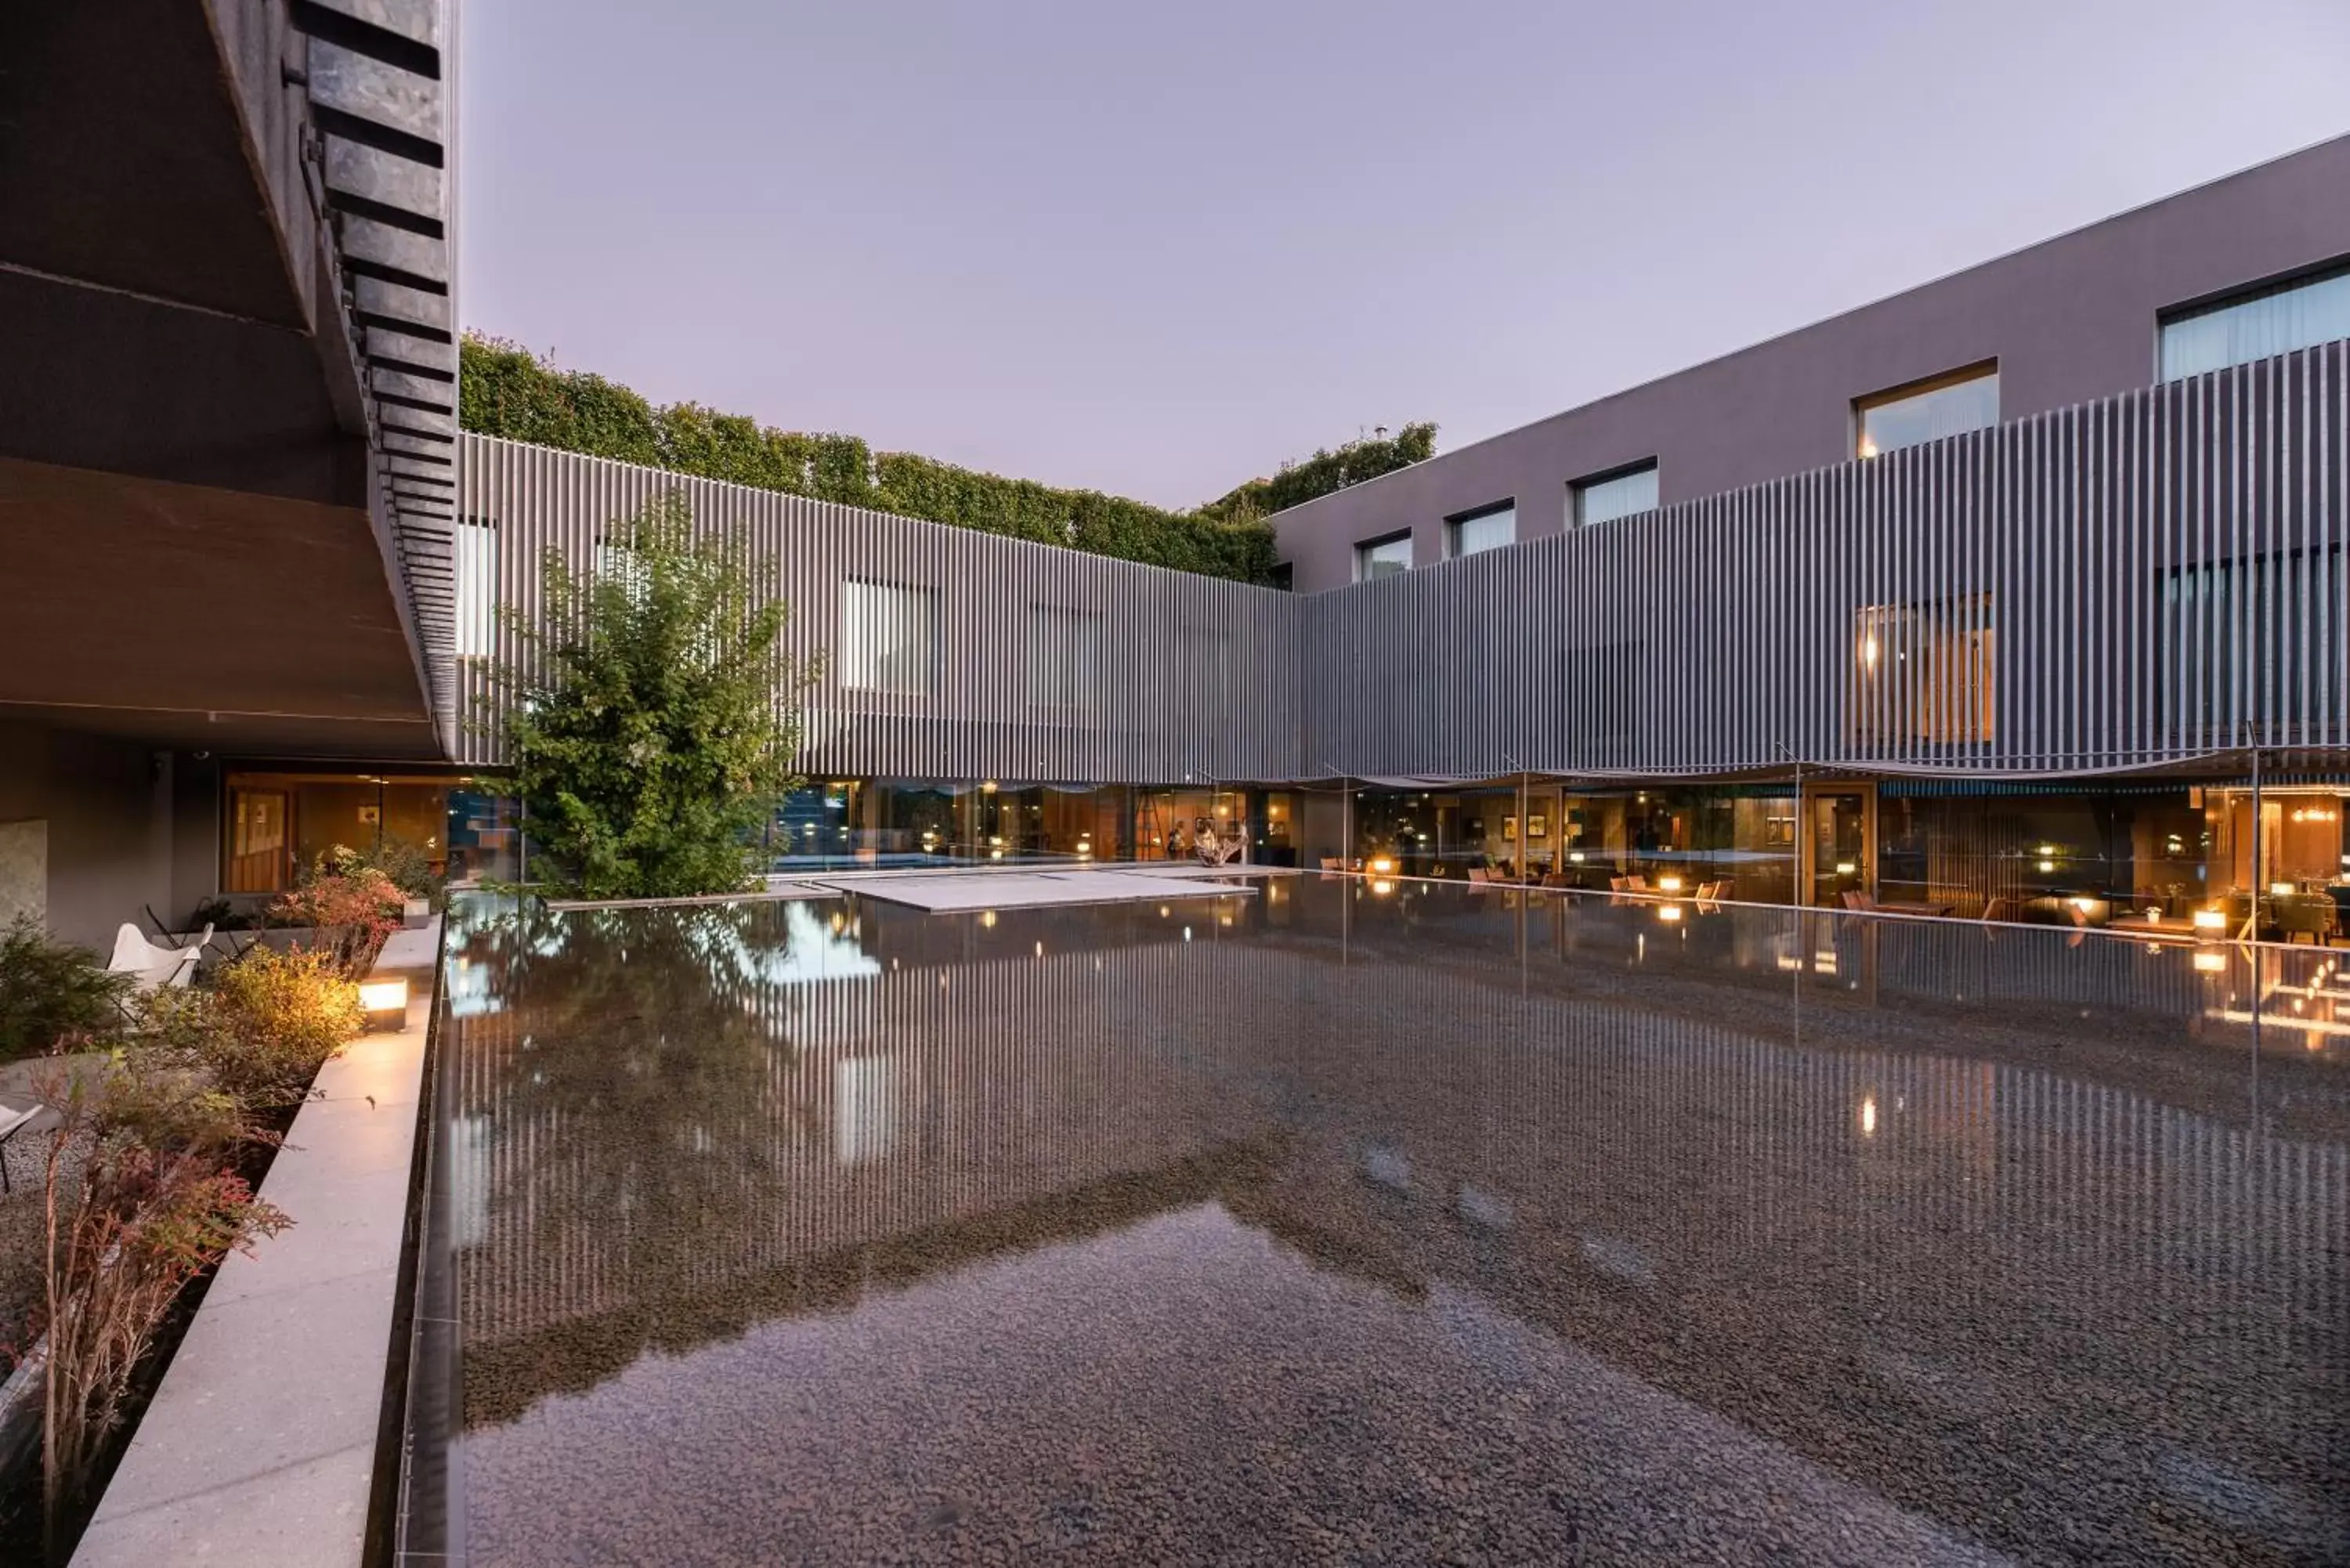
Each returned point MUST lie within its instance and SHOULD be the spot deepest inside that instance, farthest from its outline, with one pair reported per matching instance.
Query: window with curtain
(2256, 326)
(1920, 411)
(1488, 529)
(889, 638)
(1623, 493)
(1382, 557)
(1064, 656)
(1924, 671)
(2246, 638)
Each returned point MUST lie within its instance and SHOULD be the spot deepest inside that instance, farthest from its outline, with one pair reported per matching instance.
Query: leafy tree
(651, 723)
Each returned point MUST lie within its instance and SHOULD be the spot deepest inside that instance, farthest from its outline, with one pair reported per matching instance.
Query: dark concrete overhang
(228, 428)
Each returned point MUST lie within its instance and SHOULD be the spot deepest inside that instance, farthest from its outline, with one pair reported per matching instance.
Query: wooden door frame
(1807, 841)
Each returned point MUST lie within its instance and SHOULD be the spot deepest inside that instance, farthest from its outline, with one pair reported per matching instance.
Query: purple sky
(1156, 248)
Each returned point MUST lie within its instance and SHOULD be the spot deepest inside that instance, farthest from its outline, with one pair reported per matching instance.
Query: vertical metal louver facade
(1184, 674)
(2141, 581)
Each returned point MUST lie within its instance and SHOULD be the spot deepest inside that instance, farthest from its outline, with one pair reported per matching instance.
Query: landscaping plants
(354, 912)
(505, 389)
(51, 991)
(155, 1205)
(652, 729)
(148, 1172)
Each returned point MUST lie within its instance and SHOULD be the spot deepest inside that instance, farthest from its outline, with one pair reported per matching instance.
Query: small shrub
(406, 865)
(354, 913)
(51, 992)
(278, 1017)
(154, 1206)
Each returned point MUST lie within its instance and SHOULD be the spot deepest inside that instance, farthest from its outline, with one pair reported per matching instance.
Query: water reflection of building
(1934, 1274)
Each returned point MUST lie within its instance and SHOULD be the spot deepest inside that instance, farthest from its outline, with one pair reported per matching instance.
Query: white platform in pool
(947, 892)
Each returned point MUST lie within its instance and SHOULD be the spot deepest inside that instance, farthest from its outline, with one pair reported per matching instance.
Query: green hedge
(506, 390)
(1327, 471)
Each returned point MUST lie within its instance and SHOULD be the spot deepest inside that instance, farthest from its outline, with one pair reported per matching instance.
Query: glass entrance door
(1836, 843)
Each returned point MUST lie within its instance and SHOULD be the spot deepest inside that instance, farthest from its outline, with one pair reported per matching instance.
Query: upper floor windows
(1927, 410)
(1382, 557)
(1606, 497)
(1489, 529)
(889, 638)
(2256, 325)
(1064, 657)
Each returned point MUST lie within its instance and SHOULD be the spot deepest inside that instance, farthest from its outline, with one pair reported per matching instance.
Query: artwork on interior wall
(1779, 833)
(1509, 830)
(1537, 826)
(370, 815)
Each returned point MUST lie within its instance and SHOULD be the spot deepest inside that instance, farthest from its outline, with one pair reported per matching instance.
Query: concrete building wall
(105, 807)
(2068, 320)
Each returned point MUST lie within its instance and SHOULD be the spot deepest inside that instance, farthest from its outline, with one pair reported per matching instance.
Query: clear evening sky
(1156, 248)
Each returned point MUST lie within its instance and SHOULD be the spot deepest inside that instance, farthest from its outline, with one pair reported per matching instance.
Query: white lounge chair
(150, 965)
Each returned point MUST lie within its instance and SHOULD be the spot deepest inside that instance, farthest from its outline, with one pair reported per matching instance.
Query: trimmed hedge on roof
(505, 389)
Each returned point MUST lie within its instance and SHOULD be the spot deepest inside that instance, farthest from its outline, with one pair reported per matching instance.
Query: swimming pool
(1377, 1223)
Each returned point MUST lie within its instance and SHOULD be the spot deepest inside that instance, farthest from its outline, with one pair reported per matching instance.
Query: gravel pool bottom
(1417, 1227)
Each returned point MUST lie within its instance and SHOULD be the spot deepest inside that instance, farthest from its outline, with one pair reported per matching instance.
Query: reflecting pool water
(1380, 1223)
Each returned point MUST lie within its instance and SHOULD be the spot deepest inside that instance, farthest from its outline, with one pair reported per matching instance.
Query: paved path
(260, 1446)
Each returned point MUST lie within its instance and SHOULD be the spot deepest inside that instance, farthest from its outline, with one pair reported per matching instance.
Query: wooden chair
(1478, 874)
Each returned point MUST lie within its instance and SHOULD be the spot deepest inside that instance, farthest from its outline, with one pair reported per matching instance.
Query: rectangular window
(1064, 656)
(2228, 628)
(1383, 557)
(1926, 410)
(1489, 529)
(2256, 326)
(1626, 492)
(1924, 672)
(475, 541)
(889, 638)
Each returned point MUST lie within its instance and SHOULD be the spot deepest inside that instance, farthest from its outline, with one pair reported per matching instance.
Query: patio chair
(151, 967)
(20, 1113)
(1331, 863)
(1478, 874)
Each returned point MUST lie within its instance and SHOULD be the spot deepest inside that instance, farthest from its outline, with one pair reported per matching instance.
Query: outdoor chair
(1478, 874)
(150, 966)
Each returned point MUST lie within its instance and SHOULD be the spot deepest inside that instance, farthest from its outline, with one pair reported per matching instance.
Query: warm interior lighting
(2211, 919)
(1575, 855)
(1669, 912)
(1868, 1117)
(1382, 888)
(2085, 905)
(1868, 446)
(1868, 650)
(2048, 865)
(2212, 963)
(987, 917)
(1669, 883)
(1383, 866)
(1846, 867)
(2280, 890)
